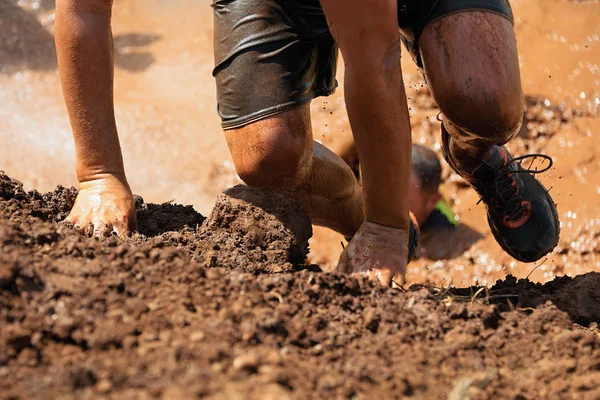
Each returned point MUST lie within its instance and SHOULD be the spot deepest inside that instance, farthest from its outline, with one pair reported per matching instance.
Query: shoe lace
(503, 192)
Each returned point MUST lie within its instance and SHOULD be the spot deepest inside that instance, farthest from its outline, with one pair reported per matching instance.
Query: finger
(66, 222)
(343, 266)
(371, 275)
(102, 229)
(117, 232)
(88, 230)
(77, 228)
(365, 275)
(399, 281)
(375, 277)
(121, 229)
(384, 276)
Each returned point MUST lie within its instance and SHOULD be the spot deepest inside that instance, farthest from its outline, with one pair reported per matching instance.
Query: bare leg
(471, 63)
(472, 68)
(346, 149)
(278, 153)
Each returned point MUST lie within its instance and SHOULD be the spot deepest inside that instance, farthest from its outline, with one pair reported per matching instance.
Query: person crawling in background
(441, 236)
(426, 202)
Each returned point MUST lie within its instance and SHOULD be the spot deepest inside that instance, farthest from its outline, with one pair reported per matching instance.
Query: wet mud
(141, 318)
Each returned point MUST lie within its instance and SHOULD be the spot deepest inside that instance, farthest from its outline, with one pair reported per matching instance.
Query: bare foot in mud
(378, 252)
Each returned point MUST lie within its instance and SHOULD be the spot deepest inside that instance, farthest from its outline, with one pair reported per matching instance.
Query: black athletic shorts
(275, 55)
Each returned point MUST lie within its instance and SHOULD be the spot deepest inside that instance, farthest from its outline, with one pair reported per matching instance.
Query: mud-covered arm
(367, 34)
(85, 62)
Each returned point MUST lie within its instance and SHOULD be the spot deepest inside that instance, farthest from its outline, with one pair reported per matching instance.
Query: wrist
(386, 227)
(88, 177)
(389, 221)
(88, 174)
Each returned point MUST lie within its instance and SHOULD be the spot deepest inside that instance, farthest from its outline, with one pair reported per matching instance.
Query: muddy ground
(160, 316)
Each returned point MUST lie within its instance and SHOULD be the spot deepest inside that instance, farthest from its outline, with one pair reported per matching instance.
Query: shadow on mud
(27, 45)
(579, 297)
(445, 244)
(126, 56)
(24, 42)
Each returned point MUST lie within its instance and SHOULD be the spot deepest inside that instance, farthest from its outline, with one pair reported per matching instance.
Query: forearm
(378, 113)
(85, 62)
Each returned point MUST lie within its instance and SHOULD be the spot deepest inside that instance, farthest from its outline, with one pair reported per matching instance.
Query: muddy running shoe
(521, 213)
(413, 237)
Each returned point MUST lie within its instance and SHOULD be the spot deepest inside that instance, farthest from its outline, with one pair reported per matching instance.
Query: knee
(269, 156)
(491, 111)
(471, 62)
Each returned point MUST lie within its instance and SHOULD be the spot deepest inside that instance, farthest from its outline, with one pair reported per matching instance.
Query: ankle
(468, 156)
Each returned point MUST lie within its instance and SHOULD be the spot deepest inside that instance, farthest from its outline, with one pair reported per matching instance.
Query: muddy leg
(278, 153)
(471, 63)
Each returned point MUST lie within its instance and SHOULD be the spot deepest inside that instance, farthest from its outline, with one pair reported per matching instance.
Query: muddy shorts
(275, 55)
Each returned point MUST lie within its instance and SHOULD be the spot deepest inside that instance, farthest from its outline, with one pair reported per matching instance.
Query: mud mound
(255, 231)
(53, 206)
(106, 318)
(579, 297)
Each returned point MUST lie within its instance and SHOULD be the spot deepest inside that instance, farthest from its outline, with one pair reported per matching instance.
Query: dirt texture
(142, 318)
(166, 315)
(255, 231)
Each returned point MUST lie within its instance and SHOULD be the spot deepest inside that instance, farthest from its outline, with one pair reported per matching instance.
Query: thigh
(271, 56)
(471, 64)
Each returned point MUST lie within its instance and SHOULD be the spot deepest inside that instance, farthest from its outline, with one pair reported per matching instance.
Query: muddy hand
(377, 252)
(104, 205)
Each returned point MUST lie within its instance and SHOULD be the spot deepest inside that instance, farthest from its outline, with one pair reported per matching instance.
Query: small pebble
(104, 386)
(197, 336)
(247, 362)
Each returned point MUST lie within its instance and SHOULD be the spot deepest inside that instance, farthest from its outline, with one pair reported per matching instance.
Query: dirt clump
(254, 230)
(579, 297)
